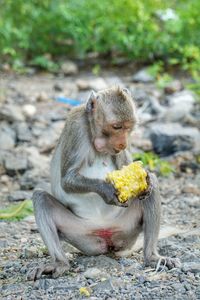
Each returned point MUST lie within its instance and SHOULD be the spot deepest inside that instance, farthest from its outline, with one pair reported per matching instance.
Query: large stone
(16, 163)
(23, 132)
(69, 68)
(193, 267)
(97, 84)
(38, 161)
(29, 110)
(171, 137)
(11, 113)
(7, 136)
(48, 139)
(173, 87)
(180, 106)
(143, 76)
(19, 196)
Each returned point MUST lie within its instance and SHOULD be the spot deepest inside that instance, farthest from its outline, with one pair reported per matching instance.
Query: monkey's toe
(159, 262)
(172, 262)
(54, 269)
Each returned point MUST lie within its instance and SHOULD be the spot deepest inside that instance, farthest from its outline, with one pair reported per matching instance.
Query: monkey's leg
(54, 220)
(151, 223)
(44, 207)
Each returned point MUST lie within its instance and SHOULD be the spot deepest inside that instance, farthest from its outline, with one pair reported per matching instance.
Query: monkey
(83, 209)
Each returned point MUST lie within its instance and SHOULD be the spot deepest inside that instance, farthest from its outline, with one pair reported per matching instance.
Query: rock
(29, 179)
(173, 87)
(42, 97)
(193, 267)
(19, 196)
(139, 94)
(15, 164)
(105, 285)
(23, 132)
(171, 137)
(5, 179)
(7, 137)
(82, 84)
(180, 106)
(184, 97)
(143, 76)
(57, 87)
(30, 252)
(92, 273)
(97, 84)
(11, 113)
(49, 137)
(178, 287)
(39, 162)
(109, 284)
(69, 68)
(29, 110)
(191, 189)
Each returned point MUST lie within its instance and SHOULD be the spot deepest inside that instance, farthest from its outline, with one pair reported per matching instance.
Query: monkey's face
(113, 137)
(112, 117)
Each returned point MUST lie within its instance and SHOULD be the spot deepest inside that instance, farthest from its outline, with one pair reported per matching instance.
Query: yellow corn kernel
(84, 291)
(130, 181)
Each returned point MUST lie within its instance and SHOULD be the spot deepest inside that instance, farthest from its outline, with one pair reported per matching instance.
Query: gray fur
(82, 200)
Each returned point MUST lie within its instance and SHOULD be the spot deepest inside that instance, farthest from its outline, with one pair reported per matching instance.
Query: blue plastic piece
(72, 102)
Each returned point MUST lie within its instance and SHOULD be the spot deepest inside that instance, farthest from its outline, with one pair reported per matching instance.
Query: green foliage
(154, 163)
(45, 63)
(135, 29)
(17, 212)
(195, 87)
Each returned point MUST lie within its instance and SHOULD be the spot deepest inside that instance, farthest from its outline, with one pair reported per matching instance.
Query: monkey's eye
(117, 127)
(105, 133)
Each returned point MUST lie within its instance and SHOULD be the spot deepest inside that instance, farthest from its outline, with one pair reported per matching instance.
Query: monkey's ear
(125, 90)
(91, 103)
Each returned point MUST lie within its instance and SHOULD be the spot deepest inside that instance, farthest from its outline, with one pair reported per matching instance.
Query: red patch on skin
(105, 234)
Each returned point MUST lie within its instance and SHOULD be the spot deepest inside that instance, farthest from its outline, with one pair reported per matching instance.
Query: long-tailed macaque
(83, 208)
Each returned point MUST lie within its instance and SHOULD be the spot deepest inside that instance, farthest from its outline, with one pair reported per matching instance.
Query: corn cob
(129, 182)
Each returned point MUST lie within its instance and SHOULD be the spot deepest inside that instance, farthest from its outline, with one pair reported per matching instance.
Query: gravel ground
(103, 277)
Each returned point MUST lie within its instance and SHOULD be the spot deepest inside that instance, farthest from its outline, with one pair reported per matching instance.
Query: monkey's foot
(54, 269)
(159, 262)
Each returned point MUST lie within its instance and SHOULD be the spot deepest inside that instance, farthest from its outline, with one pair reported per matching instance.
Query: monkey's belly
(92, 207)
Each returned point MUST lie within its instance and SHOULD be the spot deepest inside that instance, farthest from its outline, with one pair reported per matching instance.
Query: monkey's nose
(120, 147)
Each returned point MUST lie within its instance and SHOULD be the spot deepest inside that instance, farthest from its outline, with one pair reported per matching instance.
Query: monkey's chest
(99, 168)
(90, 205)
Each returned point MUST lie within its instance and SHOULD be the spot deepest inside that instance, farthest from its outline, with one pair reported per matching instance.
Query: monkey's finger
(44, 270)
(173, 263)
(120, 204)
(31, 275)
(60, 270)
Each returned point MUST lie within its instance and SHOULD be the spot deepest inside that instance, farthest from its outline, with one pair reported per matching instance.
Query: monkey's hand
(147, 193)
(109, 194)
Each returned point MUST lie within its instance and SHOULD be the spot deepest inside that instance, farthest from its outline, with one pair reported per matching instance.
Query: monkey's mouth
(117, 151)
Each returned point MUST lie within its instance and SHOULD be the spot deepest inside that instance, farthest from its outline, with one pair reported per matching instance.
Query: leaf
(17, 211)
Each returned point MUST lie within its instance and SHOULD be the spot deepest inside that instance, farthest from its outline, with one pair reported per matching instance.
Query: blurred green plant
(141, 30)
(17, 212)
(45, 63)
(154, 163)
(96, 69)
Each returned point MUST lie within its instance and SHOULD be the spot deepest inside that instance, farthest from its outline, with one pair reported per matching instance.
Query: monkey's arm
(74, 153)
(73, 182)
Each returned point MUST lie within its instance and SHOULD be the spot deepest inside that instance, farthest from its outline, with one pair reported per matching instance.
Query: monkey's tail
(165, 232)
(42, 203)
